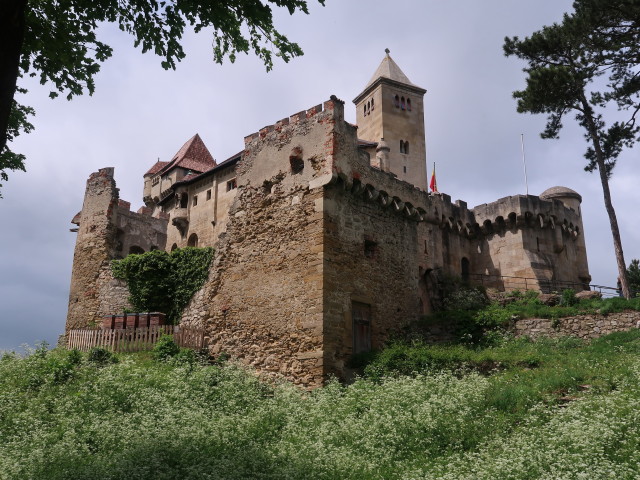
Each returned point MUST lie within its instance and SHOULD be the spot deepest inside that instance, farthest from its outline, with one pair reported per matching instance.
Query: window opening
(372, 106)
(408, 104)
(402, 103)
(135, 249)
(232, 184)
(401, 146)
(184, 200)
(209, 194)
(370, 248)
(361, 315)
(397, 101)
(406, 147)
(193, 240)
(465, 269)
(195, 200)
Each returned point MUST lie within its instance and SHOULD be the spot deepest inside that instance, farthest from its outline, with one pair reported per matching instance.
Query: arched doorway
(193, 240)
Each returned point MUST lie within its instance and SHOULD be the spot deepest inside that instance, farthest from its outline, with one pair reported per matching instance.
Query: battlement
(330, 105)
(527, 211)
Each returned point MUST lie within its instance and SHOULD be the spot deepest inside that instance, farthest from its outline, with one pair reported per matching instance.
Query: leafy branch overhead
(588, 65)
(56, 41)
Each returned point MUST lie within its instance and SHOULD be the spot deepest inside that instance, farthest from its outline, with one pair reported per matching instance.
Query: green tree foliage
(633, 274)
(587, 65)
(56, 41)
(164, 282)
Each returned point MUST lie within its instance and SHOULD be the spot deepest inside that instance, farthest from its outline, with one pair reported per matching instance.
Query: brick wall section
(584, 326)
(94, 247)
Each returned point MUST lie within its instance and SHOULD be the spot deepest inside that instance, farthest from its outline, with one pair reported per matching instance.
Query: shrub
(165, 348)
(101, 356)
(568, 298)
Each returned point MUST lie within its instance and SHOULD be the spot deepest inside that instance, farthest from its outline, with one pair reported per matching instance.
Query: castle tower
(391, 108)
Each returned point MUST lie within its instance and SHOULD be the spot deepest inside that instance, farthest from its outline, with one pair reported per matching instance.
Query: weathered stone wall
(107, 229)
(138, 231)
(263, 300)
(583, 326)
(94, 247)
(113, 294)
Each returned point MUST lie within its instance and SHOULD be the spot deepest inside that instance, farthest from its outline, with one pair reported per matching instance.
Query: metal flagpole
(524, 162)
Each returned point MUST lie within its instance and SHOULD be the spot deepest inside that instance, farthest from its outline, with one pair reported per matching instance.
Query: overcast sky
(141, 113)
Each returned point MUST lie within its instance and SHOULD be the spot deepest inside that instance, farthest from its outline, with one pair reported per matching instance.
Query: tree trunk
(602, 169)
(12, 21)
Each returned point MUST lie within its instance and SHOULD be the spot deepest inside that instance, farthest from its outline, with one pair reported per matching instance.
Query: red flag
(433, 185)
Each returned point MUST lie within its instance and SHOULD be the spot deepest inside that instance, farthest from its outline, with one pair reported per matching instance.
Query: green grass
(517, 410)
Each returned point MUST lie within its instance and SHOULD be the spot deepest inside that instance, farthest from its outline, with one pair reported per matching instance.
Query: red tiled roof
(156, 168)
(193, 155)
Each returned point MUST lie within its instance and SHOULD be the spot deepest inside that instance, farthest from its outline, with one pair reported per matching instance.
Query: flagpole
(524, 162)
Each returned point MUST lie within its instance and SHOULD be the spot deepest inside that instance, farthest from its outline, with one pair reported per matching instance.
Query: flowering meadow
(562, 409)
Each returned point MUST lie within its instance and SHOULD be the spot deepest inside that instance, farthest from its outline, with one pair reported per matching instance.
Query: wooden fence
(134, 340)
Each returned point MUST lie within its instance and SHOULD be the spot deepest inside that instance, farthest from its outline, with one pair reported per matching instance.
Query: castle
(327, 239)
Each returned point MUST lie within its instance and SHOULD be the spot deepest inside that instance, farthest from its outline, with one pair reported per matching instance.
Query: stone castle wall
(106, 230)
(95, 245)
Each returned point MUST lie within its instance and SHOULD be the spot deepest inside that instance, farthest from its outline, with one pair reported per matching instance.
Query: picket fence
(134, 340)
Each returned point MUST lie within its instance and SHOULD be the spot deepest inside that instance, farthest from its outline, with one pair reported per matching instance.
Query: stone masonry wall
(262, 302)
(94, 247)
(584, 326)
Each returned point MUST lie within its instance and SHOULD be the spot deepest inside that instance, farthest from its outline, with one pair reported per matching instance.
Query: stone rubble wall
(94, 247)
(262, 302)
(583, 326)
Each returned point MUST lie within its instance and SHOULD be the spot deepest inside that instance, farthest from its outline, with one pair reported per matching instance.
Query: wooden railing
(134, 340)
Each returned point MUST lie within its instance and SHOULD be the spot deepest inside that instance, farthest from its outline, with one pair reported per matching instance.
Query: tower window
(402, 103)
(404, 169)
(364, 110)
(397, 101)
(195, 200)
(408, 104)
(406, 147)
(209, 194)
(401, 146)
(372, 106)
(231, 184)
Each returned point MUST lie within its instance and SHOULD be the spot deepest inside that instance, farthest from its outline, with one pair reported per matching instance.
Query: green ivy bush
(164, 282)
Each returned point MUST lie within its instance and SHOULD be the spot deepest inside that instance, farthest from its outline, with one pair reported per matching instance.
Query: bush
(165, 348)
(101, 356)
(568, 298)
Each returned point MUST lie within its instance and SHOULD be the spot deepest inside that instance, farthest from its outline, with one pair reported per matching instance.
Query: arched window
(397, 101)
(406, 147)
(372, 106)
(408, 104)
(402, 104)
(364, 110)
(401, 146)
(193, 240)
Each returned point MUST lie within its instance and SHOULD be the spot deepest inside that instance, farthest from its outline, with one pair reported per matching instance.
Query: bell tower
(391, 109)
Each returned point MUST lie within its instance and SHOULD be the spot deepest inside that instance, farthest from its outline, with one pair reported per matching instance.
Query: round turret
(570, 198)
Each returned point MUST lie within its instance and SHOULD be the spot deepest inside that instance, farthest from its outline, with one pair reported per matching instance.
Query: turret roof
(193, 155)
(389, 71)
